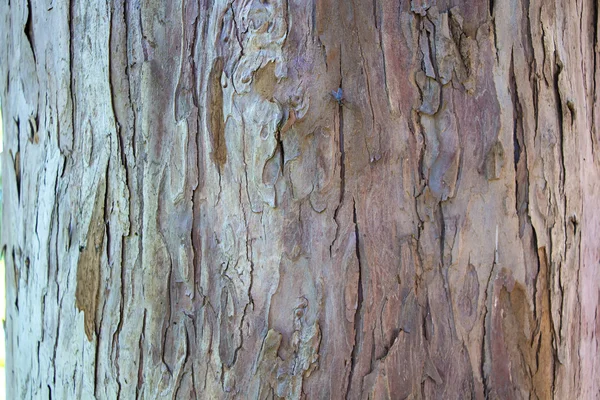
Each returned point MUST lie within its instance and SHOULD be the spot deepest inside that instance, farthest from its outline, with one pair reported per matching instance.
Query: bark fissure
(28, 29)
(117, 38)
(168, 319)
(140, 372)
(595, 51)
(559, 113)
(113, 74)
(340, 115)
(485, 353)
(97, 364)
(358, 314)
(67, 147)
(115, 339)
(127, 16)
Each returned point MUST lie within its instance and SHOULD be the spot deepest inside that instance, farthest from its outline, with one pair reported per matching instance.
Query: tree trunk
(301, 199)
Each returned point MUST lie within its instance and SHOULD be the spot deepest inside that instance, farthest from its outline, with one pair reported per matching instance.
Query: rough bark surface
(192, 209)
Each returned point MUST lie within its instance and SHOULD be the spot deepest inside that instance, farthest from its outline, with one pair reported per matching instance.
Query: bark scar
(88, 265)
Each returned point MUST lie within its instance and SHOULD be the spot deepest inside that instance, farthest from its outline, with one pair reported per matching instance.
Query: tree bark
(301, 199)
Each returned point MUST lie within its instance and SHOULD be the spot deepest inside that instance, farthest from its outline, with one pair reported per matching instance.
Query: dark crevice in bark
(384, 69)
(117, 332)
(442, 223)
(100, 324)
(372, 356)
(445, 265)
(199, 82)
(59, 302)
(53, 227)
(553, 349)
(16, 160)
(139, 151)
(29, 30)
(97, 362)
(313, 18)
(241, 333)
(520, 158)
(249, 292)
(168, 318)
(340, 113)
(485, 356)
(121, 127)
(286, 17)
(595, 50)
(237, 35)
(196, 208)
(527, 43)
(279, 146)
(192, 59)
(128, 64)
(196, 250)
(42, 316)
(375, 19)
(386, 347)
(522, 177)
(201, 39)
(425, 315)
(114, 74)
(107, 211)
(527, 37)
(561, 189)
(169, 293)
(53, 240)
(140, 377)
(546, 53)
(358, 314)
(72, 75)
(459, 153)
(244, 161)
(517, 151)
(16, 275)
(559, 114)
(38, 359)
(323, 52)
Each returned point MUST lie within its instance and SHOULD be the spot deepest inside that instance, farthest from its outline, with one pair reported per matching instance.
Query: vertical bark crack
(342, 161)
(72, 80)
(484, 337)
(595, 51)
(559, 114)
(358, 315)
(29, 29)
(140, 377)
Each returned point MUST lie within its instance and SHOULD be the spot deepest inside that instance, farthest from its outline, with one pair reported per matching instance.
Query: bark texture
(190, 212)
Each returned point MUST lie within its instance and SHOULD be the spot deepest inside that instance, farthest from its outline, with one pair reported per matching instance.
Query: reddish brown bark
(189, 212)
